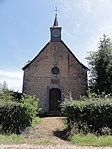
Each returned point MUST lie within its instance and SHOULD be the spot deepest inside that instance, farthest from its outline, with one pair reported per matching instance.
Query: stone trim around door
(55, 86)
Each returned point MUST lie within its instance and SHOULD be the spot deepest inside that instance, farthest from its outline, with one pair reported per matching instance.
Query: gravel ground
(25, 146)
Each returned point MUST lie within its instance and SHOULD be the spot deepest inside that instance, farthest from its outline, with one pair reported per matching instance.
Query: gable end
(26, 66)
(74, 56)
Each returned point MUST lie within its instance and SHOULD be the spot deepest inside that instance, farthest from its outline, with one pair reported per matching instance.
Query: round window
(55, 70)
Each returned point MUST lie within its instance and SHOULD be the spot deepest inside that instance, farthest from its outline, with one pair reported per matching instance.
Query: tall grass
(12, 139)
(91, 140)
(22, 139)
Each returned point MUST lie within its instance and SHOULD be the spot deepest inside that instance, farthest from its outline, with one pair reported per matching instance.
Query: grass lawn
(21, 139)
(91, 140)
(11, 139)
(76, 139)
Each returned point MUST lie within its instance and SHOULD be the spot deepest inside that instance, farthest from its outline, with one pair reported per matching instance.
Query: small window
(55, 70)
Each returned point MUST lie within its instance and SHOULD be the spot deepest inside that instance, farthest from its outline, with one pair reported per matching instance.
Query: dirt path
(49, 131)
(48, 135)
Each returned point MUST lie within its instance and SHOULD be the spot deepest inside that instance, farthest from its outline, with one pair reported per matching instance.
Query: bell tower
(55, 30)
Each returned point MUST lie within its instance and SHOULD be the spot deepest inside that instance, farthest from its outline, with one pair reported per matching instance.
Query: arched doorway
(54, 99)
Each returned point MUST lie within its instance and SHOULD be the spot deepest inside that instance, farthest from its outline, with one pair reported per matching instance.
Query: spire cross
(56, 10)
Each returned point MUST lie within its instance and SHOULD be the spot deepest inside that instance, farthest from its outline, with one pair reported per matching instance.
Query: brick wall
(39, 79)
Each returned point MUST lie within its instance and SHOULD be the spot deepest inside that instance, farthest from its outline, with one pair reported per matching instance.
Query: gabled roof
(74, 56)
(26, 66)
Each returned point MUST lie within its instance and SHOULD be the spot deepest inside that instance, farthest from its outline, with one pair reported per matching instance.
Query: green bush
(31, 105)
(89, 114)
(16, 95)
(16, 116)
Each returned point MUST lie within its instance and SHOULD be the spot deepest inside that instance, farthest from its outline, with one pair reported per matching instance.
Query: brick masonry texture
(39, 79)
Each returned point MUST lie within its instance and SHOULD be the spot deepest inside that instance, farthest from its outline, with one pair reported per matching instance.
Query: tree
(100, 65)
(4, 87)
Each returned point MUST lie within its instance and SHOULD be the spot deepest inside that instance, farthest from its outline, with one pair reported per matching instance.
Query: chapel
(54, 73)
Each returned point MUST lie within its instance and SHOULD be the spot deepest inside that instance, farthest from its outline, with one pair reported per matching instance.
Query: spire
(55, 21)
(55, 30)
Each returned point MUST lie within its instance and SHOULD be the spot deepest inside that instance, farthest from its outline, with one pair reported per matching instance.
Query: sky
(25, 30)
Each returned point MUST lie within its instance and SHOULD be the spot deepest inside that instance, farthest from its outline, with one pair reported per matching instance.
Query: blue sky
(25, 29)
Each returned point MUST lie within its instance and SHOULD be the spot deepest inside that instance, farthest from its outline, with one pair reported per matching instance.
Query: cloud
(107, 2)
(88, 5)
(71, 5)
(87, 19)
(14, 79)
(106, 27)
(85, 22)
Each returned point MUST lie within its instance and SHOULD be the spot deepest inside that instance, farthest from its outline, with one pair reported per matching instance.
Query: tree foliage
(4, 87)
(100, 65)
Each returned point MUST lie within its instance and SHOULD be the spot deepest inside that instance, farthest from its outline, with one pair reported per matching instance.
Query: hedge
(91, 115)
(15, 116)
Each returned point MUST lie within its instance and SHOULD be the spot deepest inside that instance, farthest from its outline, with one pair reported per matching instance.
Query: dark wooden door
(54, 99)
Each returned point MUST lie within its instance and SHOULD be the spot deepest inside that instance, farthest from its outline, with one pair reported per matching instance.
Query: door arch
(54, 99)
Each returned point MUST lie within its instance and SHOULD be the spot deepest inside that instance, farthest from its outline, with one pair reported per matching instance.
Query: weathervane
(56, 10)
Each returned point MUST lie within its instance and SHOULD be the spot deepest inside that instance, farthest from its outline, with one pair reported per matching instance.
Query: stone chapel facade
(53, 72)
